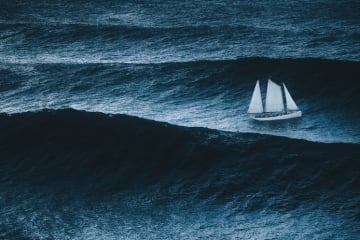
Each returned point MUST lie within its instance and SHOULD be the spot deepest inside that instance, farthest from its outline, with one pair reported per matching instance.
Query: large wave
(67, 161)
(212, 94)
(143, 32)
(53, 144)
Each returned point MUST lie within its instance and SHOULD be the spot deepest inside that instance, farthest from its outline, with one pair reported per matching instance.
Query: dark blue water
(187, 163)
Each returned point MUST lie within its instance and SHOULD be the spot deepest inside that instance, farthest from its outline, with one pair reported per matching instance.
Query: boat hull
(285, 116)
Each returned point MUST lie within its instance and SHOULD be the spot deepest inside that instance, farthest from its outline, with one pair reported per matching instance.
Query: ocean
(128, 120)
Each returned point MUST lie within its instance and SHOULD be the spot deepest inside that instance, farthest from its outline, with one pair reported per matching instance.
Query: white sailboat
(279, 104)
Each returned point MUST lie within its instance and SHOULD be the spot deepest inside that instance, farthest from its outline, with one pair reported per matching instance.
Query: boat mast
(284, 98)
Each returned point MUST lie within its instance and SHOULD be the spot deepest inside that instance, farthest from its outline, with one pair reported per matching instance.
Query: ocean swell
(72, 148)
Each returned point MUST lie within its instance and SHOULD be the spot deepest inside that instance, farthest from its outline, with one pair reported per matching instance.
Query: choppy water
(76, 174)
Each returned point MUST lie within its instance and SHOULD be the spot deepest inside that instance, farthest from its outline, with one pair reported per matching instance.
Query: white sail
(256, 105)
(274, 99)
(290, 103)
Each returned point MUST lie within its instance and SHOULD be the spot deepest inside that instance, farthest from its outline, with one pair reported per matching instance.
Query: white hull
(279, 117)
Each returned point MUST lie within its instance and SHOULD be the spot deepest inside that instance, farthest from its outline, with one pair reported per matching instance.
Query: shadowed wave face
(128, 120)
(117, 170)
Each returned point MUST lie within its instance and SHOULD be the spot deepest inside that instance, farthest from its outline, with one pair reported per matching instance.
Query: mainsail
(256, 105)
(274, 100)
(290, 103)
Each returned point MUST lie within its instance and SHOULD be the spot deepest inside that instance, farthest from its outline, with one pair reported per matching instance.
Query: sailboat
(279, 104)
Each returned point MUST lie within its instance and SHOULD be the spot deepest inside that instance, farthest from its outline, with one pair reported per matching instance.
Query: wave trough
(127, 120)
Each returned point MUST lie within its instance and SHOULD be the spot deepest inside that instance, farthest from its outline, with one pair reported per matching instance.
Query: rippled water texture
(127, 120)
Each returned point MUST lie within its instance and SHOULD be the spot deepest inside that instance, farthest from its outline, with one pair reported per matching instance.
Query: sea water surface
(128, 120)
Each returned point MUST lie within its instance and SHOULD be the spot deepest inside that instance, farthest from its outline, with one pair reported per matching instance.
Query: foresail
(290, 103)
(274, 99)
(256, 105)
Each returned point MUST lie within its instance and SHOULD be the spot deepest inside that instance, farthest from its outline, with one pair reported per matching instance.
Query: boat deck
(276, 116)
